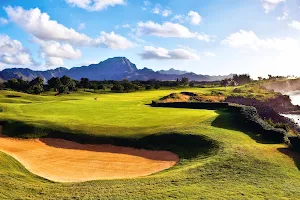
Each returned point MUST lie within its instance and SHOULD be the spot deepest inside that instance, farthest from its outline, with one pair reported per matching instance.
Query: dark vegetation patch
(244, 118)
(270, 110)
(247, 120)
(186, 146)
(191, 105)
(294, 142)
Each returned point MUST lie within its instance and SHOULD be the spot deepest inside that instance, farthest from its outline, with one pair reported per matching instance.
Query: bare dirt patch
(65, 161)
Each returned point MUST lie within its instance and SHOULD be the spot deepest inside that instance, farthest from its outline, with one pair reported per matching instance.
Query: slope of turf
(238, 168)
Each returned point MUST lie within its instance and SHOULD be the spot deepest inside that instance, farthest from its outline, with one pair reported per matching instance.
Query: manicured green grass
(238, 167)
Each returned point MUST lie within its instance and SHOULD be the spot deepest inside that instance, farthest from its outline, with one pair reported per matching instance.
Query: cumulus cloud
(41, 26)
(169, 29)
(3, 21)
(194, 18)
(55, 49)
(158, 10)
(54, 61)
(113, 41)
(295, 24)
(12, 52)
(249, 40)
(95, 5)
(164, 54)
(21, 58)
(166, 12)
(270, 5)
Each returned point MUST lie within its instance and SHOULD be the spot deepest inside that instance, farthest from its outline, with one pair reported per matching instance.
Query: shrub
(117, 88)
(237, 90)
(148, 87)
(101, 87)
(252, 120)
(279, 125)
(63, 89)
(247, 118)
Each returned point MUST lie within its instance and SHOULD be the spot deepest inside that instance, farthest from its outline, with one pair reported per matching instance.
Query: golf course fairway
(217, 159)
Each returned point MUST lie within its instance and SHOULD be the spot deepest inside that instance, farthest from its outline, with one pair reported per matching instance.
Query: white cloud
(55, 49)
(81, 26)
(284, 17)
(166, 12)
(249, 40)
(158, 10)
(54, 61)
(54, 52)
(194, 18)
(295, 24)
(113, 41)
(210, 54)
(22, 58)
(169, 29)
(41, 26)
(270, 5)
(12, 52)
(3, 20)
(95, 5)
(163, 54)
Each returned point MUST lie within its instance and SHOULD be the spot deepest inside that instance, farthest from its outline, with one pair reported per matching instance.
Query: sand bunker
(65, 161)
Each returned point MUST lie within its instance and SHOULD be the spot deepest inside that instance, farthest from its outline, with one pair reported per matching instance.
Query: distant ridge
(173, 71)
(117, 68)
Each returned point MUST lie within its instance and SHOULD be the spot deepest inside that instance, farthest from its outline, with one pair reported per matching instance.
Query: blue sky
(213, 37)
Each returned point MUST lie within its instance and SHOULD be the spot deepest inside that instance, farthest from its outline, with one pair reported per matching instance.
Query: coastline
(295, 99)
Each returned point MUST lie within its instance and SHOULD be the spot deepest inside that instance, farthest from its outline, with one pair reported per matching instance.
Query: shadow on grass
(186, 146)
(292, 154)
(12, 96)
(234, 121)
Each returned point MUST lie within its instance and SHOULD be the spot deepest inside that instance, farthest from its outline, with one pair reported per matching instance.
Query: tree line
(236, 80)
(65, 84)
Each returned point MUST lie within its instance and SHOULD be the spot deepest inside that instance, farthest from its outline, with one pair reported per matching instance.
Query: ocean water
(295, 97)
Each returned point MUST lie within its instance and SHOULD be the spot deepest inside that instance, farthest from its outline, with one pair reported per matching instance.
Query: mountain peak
(119, 64)
(122, 60)
(116, 68)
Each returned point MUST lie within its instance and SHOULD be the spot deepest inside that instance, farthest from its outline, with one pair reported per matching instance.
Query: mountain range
(117, 68)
